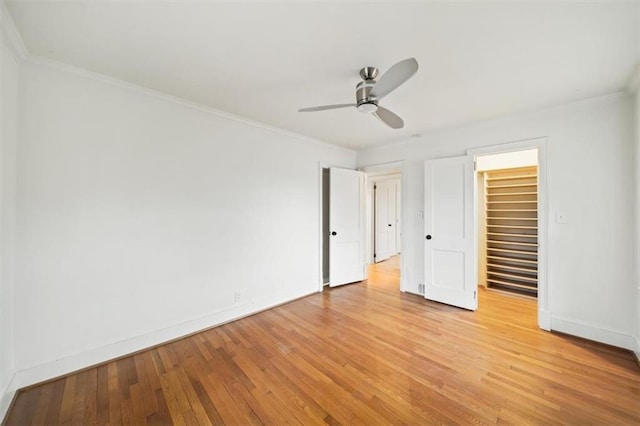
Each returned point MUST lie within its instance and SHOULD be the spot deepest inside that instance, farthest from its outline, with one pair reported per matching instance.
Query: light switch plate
(561, 217)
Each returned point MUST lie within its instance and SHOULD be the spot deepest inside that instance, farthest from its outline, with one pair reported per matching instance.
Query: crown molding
(633, 85)
(102, 78)
(11, 34)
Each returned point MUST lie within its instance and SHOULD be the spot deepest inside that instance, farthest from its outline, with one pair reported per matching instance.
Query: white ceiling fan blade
(394, 77)
(326, 107)
(389, 118)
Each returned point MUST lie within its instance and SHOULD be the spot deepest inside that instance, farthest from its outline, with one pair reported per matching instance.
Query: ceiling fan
(369, 91)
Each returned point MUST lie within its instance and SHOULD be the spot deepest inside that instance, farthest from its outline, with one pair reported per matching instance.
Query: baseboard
(70, 364)
(544, 320)
(7, 392)
(591, 332)
(636, 350)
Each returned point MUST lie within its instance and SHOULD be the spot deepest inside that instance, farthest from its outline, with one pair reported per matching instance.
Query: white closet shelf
(497, 194)
(516, 185)
(512, 243)
(512, 226)
(513, 259)
(503, 178)
(519, 277)
(506, 234)
(512, 202)
(514, 268)
(523, 252)
(509, 210)
(511, 218)
(504, 283)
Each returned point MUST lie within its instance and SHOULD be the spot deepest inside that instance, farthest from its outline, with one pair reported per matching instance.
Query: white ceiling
(265, 60)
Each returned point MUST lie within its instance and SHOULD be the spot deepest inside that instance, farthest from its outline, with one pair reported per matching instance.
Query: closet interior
(508, 229)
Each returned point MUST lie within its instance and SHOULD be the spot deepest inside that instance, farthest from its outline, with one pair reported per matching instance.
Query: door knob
(389, 224)
(428, 237)
(334, 233)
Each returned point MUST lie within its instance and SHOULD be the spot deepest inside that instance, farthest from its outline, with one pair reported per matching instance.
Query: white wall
(590, 159)
(141, 219)
(507, 160)
(8, 107)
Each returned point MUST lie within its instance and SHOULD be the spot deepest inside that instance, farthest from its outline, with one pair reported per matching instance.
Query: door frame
(396, 167)
(373, 183)
(321, 200)
(544, 315)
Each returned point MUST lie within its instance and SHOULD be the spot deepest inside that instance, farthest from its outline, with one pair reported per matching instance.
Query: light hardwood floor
(358, 354)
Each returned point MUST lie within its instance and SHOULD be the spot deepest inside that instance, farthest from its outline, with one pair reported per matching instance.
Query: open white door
(383, 221)
(398, 216)
(346, 223)
(449, 229)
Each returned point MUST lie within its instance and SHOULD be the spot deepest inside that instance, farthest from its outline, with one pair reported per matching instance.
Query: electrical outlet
(238, 296)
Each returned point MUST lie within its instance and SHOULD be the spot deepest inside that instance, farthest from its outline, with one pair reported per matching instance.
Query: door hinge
(475, 165)
(374, 255)
(474, 294)
(375, 186)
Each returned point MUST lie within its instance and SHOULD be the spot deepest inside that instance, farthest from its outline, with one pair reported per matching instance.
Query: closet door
(512, 229)
(450, 273)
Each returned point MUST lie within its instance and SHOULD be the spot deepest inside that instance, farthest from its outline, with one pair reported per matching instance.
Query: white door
(449, 231)
(384, 222)
(346, 225)
(398, 217)
(392, 225)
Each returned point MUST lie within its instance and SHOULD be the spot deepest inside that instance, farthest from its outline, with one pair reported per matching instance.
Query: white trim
(91, 75)
(633, 85)
(636, 351)
(111, 351)
(7, 395)
(321, 166)
(11, 34)
(544, 319)
(398, 168)
(592, 332)
(11, 38)
(544, 314)
(395, 166)
(471, 124)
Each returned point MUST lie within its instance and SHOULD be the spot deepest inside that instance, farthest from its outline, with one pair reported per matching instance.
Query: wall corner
(7, 396)
(11, 35)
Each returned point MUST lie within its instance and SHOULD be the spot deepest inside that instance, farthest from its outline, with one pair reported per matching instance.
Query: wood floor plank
(102, 396)
(363, 353)
(53, 411)
(115, 416)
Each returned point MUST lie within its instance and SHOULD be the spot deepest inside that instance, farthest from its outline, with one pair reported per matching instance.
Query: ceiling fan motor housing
(366, 103)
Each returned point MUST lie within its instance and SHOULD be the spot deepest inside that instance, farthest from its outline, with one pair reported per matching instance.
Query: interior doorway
(507, 218)
(384, 217)
(387, 217)
(511, 223)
